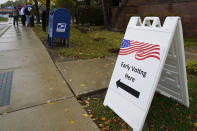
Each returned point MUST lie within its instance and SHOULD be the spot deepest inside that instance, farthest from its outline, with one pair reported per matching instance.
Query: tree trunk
(37, 11)
(118, 12)
(109, 13)
(48, 9)
(104, 3)
(76, 12)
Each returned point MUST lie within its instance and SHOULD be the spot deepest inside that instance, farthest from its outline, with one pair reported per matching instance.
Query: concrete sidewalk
(40, 100)
(85, 76)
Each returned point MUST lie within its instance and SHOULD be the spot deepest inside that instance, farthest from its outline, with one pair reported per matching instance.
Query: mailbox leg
(48, 38)
(67, 43)
(64, 42)
(49, 41)
(52, 42)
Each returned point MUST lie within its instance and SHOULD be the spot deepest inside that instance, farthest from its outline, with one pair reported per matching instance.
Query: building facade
(186, 9)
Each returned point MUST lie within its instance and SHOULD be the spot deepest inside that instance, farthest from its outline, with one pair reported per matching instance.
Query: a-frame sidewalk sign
(151, 58)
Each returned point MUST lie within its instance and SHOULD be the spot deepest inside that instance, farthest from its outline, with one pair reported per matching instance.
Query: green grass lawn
(3, 19)
(190, 42)
(164, 114)
(38, 30)
(95, 43)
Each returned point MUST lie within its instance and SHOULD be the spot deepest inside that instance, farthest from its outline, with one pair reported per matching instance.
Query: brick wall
(186, 10)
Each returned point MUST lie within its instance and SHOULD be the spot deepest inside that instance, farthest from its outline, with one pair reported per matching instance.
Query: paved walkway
(86, 76)
(40, 99)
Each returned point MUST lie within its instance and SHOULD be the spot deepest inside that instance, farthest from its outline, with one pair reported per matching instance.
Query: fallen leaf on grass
(101, 125)
(57, 69)
(107, 122)
(70, 80)
(103, 118)
(85, 115)
(91, 116)
(72, 122)
(195, 124)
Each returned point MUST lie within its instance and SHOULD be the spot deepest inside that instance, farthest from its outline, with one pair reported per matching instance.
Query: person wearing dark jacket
(23, 19)
(15, 15)
(27, 14)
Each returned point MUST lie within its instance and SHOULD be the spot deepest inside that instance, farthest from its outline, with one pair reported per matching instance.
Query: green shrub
(3, 19)
(91, 15)
(192, 67)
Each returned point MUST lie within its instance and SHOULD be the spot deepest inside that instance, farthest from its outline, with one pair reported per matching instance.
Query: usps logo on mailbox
(61, 27)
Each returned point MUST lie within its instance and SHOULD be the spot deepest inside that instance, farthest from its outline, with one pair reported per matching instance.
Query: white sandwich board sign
(151, 58)
(10, 20)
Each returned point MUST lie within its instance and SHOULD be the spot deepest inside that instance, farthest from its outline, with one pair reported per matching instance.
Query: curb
(4, 30)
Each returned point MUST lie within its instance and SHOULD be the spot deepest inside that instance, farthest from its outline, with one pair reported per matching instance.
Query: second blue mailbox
(59, 25)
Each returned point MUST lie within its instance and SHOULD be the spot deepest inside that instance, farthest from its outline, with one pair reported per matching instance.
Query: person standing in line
(27, 14)
(15, 15)
(23, 19)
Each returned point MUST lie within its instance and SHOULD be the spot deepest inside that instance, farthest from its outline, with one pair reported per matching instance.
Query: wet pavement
(2, 26)
(40, 99)
(85, 76)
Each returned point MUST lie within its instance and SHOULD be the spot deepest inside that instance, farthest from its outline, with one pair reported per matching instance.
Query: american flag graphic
(142, 50)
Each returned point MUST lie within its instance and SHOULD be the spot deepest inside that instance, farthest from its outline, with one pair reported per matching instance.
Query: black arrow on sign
(128, 89)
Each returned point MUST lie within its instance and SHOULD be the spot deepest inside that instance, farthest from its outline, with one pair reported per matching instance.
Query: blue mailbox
(59, 25)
